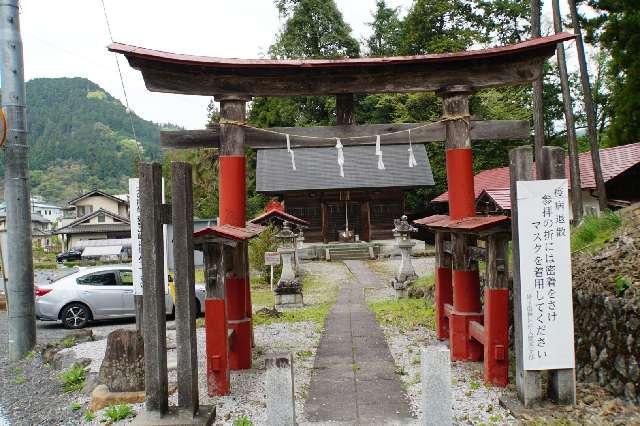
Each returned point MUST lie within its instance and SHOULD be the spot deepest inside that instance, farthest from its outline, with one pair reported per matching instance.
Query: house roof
(614, 161)
(78, 223)
(94, 228)
(475, 223)
(502, 197)
(97, 192)
(317, 169)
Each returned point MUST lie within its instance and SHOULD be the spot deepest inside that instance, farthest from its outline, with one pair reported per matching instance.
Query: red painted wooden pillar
(444, 291)
(465, 276)
(232, 210)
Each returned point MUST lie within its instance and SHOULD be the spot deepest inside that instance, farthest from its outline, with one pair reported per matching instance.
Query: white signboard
(271, 258)
(545, 274)
(136, 238)
(136, 235)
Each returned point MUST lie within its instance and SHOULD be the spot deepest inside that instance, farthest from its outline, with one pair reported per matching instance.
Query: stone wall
(607, 330)
(607, 324)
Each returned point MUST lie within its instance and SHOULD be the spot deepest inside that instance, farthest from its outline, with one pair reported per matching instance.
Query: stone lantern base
(288, 294)
(290, 300)
(401, 288)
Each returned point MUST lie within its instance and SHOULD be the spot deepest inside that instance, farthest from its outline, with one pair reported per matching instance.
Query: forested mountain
(80, 137)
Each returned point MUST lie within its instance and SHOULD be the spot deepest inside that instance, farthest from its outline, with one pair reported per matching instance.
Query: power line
(124, 90)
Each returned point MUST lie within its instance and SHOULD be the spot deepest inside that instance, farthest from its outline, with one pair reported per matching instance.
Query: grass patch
(242, 421)
(75, 406)
(425, 281)
(199, 322)
(115, 413)
(199, 275)
(89, 416)
(20, 380)
(68, 342)
(315, 313)
(406, 314)
(594, 231)
(304, 354)
(73, 378)
(45, 265)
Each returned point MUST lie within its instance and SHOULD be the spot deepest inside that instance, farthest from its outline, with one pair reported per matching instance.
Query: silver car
(96, 293)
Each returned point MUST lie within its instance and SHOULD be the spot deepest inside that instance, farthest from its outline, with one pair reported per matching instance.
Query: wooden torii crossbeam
(257, 139)
(233, 82)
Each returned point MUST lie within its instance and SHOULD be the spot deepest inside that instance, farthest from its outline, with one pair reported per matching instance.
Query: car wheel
(75, 315)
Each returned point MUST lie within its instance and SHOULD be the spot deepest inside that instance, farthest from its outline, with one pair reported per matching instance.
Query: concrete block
(279, 389)
(205, 416)
(437, 401)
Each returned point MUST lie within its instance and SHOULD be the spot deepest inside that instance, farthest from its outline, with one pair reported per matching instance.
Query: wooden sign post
(271, 258)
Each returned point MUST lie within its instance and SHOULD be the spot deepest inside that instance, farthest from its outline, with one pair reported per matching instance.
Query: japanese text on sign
(545, 274)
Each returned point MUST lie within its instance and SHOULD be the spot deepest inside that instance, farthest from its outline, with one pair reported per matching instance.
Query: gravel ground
(473, 402)
(247, 396)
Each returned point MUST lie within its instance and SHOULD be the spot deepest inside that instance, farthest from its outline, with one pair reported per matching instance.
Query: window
(80, 210)
(100, 217)
(126, 277)
(98, 279)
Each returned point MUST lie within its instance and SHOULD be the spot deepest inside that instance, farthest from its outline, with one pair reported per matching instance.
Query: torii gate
(233, 82)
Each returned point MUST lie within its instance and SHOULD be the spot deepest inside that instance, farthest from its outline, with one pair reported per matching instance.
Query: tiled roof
(88, 216)
(273, 213)
(92, 228)
(229, 232)
(317, 169)
(98, 192)
(502, 197)
(442, 221)
(614, 161)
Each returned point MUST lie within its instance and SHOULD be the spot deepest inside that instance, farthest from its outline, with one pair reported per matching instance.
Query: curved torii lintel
(201, 75)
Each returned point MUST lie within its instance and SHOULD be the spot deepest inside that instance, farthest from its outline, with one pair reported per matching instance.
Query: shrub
(73, 378)
(118, 412)
(594, 231)
(258, 246)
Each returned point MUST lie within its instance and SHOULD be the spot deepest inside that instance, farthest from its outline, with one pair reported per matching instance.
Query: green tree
(313, 29)
(436, 26)
(617, 28)
(386, 31)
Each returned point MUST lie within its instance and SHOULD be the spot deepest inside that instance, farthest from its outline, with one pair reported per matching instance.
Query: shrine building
(372, 196)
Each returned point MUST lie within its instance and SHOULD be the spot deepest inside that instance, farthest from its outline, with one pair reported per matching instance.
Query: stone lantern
(405, 274)
(288, 291)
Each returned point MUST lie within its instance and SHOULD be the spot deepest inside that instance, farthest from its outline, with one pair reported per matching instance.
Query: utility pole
(538, 107)
(574, 168)
(20, 296)
(588, 106)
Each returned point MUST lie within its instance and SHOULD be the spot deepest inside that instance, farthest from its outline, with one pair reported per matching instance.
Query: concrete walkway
(353, 380)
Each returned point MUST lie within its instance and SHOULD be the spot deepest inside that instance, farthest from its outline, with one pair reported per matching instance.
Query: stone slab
(206, 416)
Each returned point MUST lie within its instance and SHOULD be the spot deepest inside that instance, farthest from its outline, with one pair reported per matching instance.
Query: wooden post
(572, 144)
(344, 109)
(444, 290)
(154, 321)
(538, 104)
(588, 106)
(182, 219)
(527, 381)
(562, 383)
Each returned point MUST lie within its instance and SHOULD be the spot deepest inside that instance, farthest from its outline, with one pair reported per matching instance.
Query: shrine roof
(228, 232)
(267, 216)
(191, 74)
(317, 169)
(475, 223)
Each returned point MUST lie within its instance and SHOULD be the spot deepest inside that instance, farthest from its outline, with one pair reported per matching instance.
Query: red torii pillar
(465, 278)
(232, 211)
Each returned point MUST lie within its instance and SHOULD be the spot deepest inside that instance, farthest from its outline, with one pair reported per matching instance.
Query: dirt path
(354, 378)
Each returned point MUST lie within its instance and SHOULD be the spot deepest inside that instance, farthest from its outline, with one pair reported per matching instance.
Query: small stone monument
(298, 253)
(405, 274)
(288, 292)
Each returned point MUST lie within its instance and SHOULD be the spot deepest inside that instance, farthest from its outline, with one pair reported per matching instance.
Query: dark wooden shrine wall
(370, 213)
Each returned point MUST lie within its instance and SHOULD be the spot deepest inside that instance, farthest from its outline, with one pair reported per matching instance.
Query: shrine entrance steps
(354, 379)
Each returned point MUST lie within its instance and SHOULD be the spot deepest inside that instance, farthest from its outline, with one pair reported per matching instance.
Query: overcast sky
(67, 38)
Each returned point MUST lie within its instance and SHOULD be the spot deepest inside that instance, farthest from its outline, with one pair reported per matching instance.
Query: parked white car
(96, 293)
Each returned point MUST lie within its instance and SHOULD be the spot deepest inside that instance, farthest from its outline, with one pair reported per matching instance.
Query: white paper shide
(545, 274)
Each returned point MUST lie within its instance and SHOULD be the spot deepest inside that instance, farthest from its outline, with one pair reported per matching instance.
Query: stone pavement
(354, 379)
